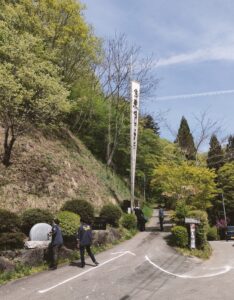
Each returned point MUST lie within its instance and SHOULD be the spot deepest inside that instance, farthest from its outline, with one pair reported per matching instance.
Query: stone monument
(38, 236)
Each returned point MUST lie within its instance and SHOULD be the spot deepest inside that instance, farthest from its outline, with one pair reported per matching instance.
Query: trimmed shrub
(129, 221)
(111, 214)
(81, 207)
(12, 240)
(69, 222)
(212, 234)
(33, 216)
(202, 228)
(9, 221)
(179, 236)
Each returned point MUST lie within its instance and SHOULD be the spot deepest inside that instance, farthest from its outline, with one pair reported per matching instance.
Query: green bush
(81, 207)
(212, 234)
(12, 240)
(69, 222)
(33, 216)
(202, 228)
(129, 221)
(179, 236)
(9, 221)
(181, 211)
(111, 214)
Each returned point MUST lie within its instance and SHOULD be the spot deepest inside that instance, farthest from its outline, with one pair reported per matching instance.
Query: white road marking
(83, 273)
(129, 252)
(225, 270)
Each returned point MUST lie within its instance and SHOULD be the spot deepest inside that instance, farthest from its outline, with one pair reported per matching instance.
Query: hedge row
(14, 228)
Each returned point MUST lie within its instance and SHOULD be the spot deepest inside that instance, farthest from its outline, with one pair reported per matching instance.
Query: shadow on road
(125, 297)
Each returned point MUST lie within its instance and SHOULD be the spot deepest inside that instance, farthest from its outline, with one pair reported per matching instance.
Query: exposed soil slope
(46, 171)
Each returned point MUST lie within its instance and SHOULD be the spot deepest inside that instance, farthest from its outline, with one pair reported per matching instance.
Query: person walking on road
(55, 245)
(141, 220)
(161, 217)
(84, 241)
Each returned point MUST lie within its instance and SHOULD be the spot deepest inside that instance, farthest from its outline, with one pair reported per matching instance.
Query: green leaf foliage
(69, 222)
(230, 149)
(226, 183)
(62, 28)
(31, 88)
(185, 140)
(215, 158)
(81, 207)
(33, 216)
(193, 184)
(12, 240)
(179, 236)
(181, 212)
(129, 221)
(111, 214)
(212, 234)
(9, 221)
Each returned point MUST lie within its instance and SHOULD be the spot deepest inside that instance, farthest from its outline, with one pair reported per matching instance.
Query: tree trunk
(9, 141)
(108, 146)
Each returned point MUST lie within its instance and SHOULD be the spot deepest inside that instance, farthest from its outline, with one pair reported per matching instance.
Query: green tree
(91, 125)
(215, 158)
(149, 155)
(31, 88)
(150, 123)
(226, 183)
(61, 25)
(230, 149)
(194, 185)
(185, 140)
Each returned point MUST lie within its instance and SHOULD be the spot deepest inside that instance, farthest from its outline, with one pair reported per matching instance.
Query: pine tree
(185, 140)
(150, 123)
(230, 149)
(215, 157)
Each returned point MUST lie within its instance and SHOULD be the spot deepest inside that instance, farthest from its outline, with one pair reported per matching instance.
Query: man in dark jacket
(56, 244)
(84, 241)
(141, 220)
(161, 217)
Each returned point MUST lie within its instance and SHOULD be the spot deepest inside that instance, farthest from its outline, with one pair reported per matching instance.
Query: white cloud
(201, 55)
(185, 96)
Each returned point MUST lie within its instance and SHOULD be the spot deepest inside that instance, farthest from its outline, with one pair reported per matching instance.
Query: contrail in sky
(185, 96)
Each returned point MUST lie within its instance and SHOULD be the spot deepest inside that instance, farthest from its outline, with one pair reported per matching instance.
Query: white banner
(135, 98)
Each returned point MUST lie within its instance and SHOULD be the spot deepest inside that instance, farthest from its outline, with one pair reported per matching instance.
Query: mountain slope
(49, 169)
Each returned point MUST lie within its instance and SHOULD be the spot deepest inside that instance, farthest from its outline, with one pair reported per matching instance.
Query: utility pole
(144, 187)
(224, 210)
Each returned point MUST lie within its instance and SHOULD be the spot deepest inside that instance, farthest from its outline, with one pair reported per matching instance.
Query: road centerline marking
(83, 273)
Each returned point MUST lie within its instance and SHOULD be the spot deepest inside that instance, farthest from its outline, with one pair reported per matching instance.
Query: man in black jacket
(141, 220)
(56, 244)
(84, 241)
(161, 217)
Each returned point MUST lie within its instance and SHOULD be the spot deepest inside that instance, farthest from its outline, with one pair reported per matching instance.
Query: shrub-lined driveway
(141, 268)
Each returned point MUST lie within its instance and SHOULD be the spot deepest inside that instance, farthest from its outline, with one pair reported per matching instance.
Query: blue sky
(193, 45)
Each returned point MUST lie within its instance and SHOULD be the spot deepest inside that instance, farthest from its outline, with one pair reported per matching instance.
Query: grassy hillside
(46, 171)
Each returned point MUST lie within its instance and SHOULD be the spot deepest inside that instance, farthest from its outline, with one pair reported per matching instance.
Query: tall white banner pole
(134, 117)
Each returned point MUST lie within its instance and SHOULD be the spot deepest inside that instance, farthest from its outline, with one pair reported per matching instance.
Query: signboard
(134, 117)
(99, 224)
(192, 221)
(192, 236)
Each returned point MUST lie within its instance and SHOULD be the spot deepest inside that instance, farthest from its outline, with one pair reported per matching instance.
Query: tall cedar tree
(185, 140)
(149, 123)
(215, 158)
(230, 149)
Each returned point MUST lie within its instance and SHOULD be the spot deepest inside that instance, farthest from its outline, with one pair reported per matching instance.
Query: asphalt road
(142, 268)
